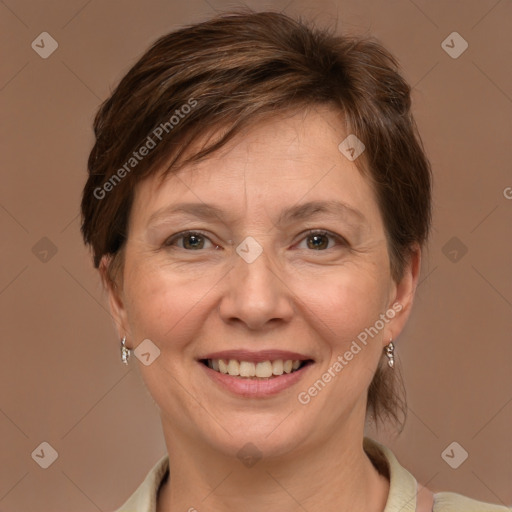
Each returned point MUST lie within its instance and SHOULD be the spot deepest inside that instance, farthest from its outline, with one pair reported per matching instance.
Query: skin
(294, 296)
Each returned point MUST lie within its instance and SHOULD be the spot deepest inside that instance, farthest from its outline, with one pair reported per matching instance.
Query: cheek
(343, 315)
(163, 304)
(344, 303)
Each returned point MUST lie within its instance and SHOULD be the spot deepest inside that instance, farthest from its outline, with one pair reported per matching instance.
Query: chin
(257, 435)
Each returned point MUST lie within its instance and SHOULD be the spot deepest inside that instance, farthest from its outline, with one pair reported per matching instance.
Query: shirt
(403, 487)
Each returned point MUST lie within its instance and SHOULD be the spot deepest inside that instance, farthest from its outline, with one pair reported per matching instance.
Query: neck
(334, 475)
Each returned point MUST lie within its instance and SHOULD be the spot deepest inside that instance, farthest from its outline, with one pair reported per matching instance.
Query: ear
(114, 290)
(402, 296)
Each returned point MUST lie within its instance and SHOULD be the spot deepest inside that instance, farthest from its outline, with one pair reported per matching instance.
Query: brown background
(61, 380)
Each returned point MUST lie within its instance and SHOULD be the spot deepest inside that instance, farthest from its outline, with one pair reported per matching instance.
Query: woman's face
(252, 285)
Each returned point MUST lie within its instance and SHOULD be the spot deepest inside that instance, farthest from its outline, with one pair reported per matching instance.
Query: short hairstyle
(230, 72)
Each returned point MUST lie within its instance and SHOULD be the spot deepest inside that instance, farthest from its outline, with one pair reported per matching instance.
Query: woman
(257, 203)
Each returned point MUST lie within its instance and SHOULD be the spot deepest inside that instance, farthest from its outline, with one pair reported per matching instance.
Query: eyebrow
(294, 213)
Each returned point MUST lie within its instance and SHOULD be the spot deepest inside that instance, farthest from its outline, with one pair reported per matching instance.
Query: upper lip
(261, 355)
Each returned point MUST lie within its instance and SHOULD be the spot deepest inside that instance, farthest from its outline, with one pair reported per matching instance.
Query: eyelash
(169, 243)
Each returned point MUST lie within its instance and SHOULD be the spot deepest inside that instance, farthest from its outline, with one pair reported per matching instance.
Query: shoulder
(454, 502)
(403, 489)
(144, 499)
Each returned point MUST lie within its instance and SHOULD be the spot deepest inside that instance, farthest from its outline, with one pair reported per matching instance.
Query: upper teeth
(250, 369)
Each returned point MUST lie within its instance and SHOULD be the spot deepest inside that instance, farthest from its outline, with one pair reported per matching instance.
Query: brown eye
(192, 241)
(319, 240)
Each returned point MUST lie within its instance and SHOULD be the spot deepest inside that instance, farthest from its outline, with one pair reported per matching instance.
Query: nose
(256, 293)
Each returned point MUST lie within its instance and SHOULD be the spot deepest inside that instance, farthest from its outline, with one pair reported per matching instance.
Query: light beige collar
(403, 486)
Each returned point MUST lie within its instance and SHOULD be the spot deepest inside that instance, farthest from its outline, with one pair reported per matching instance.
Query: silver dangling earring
(125, 352)
(389, 352)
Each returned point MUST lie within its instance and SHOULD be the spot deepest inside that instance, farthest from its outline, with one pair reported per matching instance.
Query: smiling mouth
(251, 370)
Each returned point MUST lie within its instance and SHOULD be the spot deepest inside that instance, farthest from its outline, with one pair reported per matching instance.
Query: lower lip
(256, 388)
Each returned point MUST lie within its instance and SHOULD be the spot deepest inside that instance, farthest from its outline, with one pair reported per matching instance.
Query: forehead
(275, 165)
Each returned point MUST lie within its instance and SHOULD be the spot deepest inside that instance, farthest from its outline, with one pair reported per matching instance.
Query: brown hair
(231, 71)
